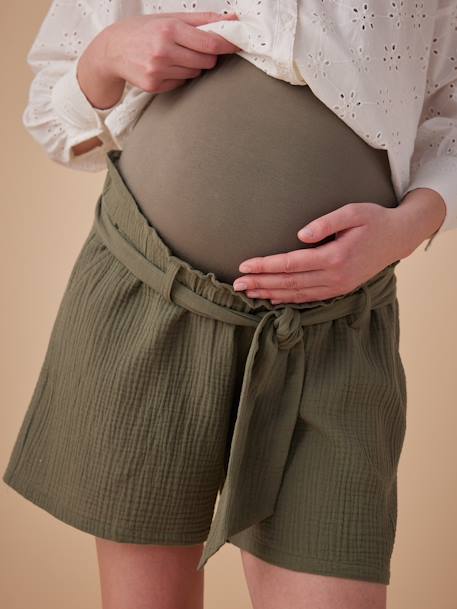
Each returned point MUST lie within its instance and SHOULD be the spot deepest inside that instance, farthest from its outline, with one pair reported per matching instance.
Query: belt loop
(166, 286)
(365, 308)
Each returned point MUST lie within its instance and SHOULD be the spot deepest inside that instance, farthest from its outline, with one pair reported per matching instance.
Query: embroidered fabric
(389, 70)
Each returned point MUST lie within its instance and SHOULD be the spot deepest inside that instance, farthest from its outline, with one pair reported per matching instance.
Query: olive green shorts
(171, 409)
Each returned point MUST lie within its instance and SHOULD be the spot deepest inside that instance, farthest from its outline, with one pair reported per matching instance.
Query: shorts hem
(87, 524)
(295, 562)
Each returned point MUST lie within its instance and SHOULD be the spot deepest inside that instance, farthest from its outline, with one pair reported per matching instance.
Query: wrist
(107, 54)
(419, 215)
(97, 75)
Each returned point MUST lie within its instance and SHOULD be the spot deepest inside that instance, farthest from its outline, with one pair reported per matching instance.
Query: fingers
(345, 217)
(180, 56)
(208, 43)
(310, 294)
(201, 17)
(289, 262)
(284, 281)
(185, 64)
(179, 72)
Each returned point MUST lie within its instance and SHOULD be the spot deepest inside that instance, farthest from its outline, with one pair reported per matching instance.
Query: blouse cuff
(72, 106)
(440, 174)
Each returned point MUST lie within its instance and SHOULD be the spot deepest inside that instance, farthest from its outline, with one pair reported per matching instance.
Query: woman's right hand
(155, 52)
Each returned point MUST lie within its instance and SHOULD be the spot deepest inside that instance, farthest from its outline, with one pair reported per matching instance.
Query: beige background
(46, 213)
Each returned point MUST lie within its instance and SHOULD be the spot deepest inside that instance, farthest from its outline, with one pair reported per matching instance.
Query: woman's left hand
(368, 237)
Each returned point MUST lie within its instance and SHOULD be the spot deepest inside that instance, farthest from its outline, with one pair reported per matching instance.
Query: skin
(164, 577)
(158, 53)
(369, 237)
(137, 576)
(272, 587)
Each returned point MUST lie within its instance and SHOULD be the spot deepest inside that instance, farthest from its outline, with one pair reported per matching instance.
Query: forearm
(420, 214)
(98, 82)
(101, 88)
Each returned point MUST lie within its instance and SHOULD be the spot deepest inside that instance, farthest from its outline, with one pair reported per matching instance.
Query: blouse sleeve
(434, 159)
(58, 115)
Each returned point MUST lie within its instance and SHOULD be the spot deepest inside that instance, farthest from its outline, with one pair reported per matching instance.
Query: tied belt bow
(272, 382)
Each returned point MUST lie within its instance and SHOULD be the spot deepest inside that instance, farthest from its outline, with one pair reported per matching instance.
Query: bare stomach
(233, 163)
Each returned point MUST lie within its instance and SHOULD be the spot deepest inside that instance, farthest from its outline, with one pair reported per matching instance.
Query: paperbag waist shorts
(165, 394)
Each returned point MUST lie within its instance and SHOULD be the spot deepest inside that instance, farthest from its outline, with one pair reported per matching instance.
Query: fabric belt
(272, 382)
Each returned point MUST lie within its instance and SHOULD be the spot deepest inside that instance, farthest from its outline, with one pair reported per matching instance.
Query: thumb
(202, 17)
(328, 224)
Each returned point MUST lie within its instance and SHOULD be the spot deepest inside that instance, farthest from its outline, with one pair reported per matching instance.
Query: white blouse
(387, 69)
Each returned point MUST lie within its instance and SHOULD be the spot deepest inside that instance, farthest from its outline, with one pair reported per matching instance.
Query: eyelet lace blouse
(387, 69)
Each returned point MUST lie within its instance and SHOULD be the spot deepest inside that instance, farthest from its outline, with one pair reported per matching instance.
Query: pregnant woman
(169, 388)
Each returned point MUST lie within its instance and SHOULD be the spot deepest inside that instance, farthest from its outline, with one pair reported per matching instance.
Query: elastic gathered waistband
(276, 353)
(370, 295)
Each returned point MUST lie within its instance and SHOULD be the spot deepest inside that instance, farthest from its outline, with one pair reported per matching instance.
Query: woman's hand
(369, 237)
(155, 52)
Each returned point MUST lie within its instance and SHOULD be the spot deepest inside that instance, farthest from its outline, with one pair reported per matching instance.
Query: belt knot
(289, 330)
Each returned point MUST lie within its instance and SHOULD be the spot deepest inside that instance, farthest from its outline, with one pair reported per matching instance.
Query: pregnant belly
(234, 162)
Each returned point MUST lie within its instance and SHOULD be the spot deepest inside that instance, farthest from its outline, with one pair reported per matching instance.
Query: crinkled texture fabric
(142, 414)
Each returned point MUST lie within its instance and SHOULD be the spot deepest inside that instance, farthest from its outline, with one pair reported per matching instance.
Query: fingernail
(245, 267)
(305, 232)
(240, 285)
